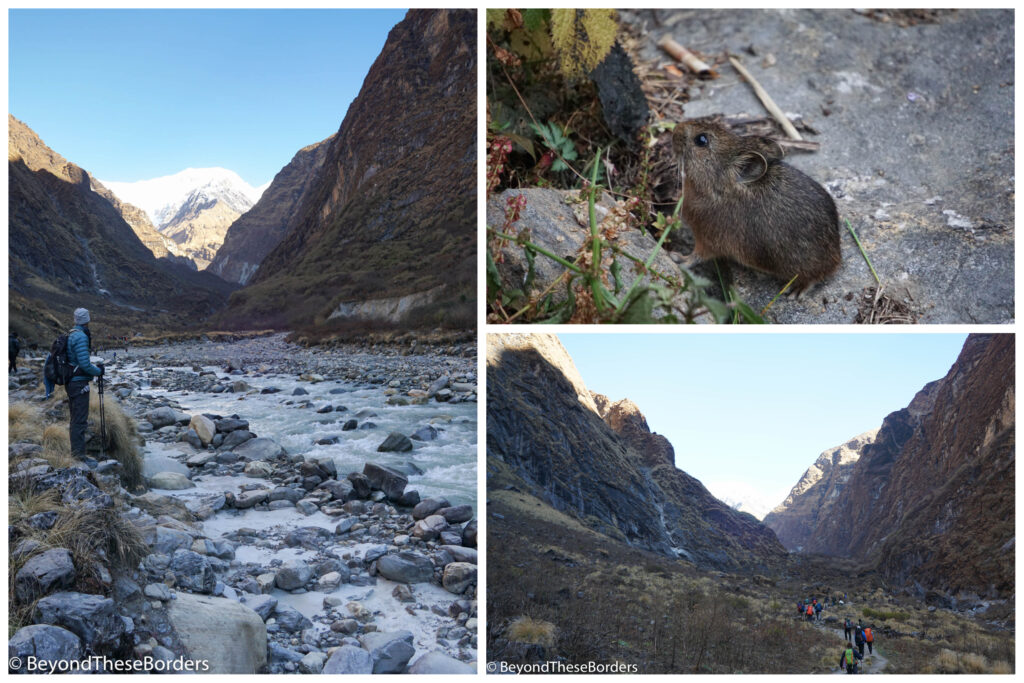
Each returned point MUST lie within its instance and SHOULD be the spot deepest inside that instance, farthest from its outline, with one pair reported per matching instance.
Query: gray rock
(170, 481)
(258, 469)
(460, 553)
(226, 633)
(263, 605)
(457, 514)
(395, 443)
(340, 489)
(157, 591)
(386, 479)
(349, 660)
(345, 525)
(290, 619)
(48, 571)
(200, 459)
(324, 409)
(307, 506)
(236, 438)
(437, 662)
(280, 505)
(165, 540)
(287, 493)
(407, 566)
(349, 425)
(429, 528)
(313, 663)
(307, 537)
(409, 499)
(390, 651)
(299, 391)
(279, 653)
(374, 552)
(428, 506)
(437, 385)
(458, 576)
(293, 574)
(45, 643)
(469, 534)
(425, 433)
(328, 441)
(162, 417)
(158, 504)
(93, 618)
(192, 571)
(259, 449)
(230, 424)
(248, 499)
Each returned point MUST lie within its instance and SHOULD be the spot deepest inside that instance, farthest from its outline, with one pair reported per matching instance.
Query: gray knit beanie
(81, 316)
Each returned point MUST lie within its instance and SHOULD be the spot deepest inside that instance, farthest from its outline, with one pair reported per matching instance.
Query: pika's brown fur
(743, 203)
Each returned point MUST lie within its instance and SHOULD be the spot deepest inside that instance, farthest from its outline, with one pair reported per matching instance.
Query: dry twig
(766, 100)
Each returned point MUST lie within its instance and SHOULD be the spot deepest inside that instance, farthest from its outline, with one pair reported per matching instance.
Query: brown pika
(742, 202)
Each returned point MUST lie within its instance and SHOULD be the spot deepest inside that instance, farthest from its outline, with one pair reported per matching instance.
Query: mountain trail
(871, 664)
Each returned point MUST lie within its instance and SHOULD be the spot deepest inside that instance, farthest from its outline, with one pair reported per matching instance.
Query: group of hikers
(857, 635)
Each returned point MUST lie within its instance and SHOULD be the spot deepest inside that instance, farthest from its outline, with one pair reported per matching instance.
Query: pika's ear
(750, 166)
(769, 149)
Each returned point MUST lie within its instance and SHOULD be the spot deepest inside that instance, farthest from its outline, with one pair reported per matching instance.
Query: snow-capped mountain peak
(162, 198)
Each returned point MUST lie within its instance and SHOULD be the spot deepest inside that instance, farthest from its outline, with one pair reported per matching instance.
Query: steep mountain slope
(814, 495)
(69, 247)
(160, 246)
(392, 211)
(931, 501)
(599, 462)
(250, 238)
(193, 208)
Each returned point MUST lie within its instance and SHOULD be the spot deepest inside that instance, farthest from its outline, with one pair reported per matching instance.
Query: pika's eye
(701, 140)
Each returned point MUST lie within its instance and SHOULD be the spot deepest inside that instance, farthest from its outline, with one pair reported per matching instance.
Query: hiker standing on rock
(13, 347)
(79, 348)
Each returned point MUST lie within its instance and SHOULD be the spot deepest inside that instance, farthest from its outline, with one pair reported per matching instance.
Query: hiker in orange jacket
(810, 612)
(869, 638)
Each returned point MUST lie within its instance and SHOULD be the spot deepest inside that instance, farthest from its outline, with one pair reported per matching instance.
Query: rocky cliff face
(814, 496)
(599, 462)
(255, 234)
(931, 501)
(199, 227)
(69, 246)
(158, 245)
(392, 210)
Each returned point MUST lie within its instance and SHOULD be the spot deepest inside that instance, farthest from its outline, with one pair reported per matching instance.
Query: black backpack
(57, 368)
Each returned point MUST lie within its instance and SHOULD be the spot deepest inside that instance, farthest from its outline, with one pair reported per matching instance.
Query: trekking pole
(103, 422)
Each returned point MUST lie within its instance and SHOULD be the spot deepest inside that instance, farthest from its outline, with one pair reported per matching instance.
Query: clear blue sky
(135, 94)
(760, 408)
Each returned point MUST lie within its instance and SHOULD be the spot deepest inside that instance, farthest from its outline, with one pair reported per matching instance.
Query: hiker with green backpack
(849, 658)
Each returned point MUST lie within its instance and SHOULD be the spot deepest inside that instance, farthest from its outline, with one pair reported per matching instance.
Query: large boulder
(407, 566)
(93, 618)
(259, 449)
(231, 424)
(44, 573)
(248, 499)
(390, 651)
(349, 659)
(340, 489)
(457, 514)
(428, 506)
(386, 479)
(461, 553)
(158, 504)
(204, 426)
(227, 634)
(170, 481)
(430, 527)
(44, 642)
(236, 438)
(437, 662)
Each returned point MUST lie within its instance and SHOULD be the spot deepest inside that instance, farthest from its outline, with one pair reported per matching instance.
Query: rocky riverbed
(308, 510)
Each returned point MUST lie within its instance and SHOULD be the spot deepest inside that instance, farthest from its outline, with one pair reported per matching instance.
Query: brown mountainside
(261, 228)
(69, 246)
(599, 462)
(931, 501)
(392, 210)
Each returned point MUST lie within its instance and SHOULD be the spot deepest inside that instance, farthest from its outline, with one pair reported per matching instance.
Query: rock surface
(229, 635)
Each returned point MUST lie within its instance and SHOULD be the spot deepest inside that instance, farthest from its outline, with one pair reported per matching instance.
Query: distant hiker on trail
(858, 640)
(79, 348)
(810, 612)
(817, 611)
(848, 629)
(13, 347)
(47, 382)
(800, 607)
(869, 638)
(848, 659)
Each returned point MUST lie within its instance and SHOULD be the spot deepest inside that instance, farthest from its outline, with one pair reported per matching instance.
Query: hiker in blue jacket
(79, 347)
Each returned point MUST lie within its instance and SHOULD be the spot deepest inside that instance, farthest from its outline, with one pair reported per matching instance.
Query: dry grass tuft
(121, 439)
(57, 447)
(532, 631)
(25, 422)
